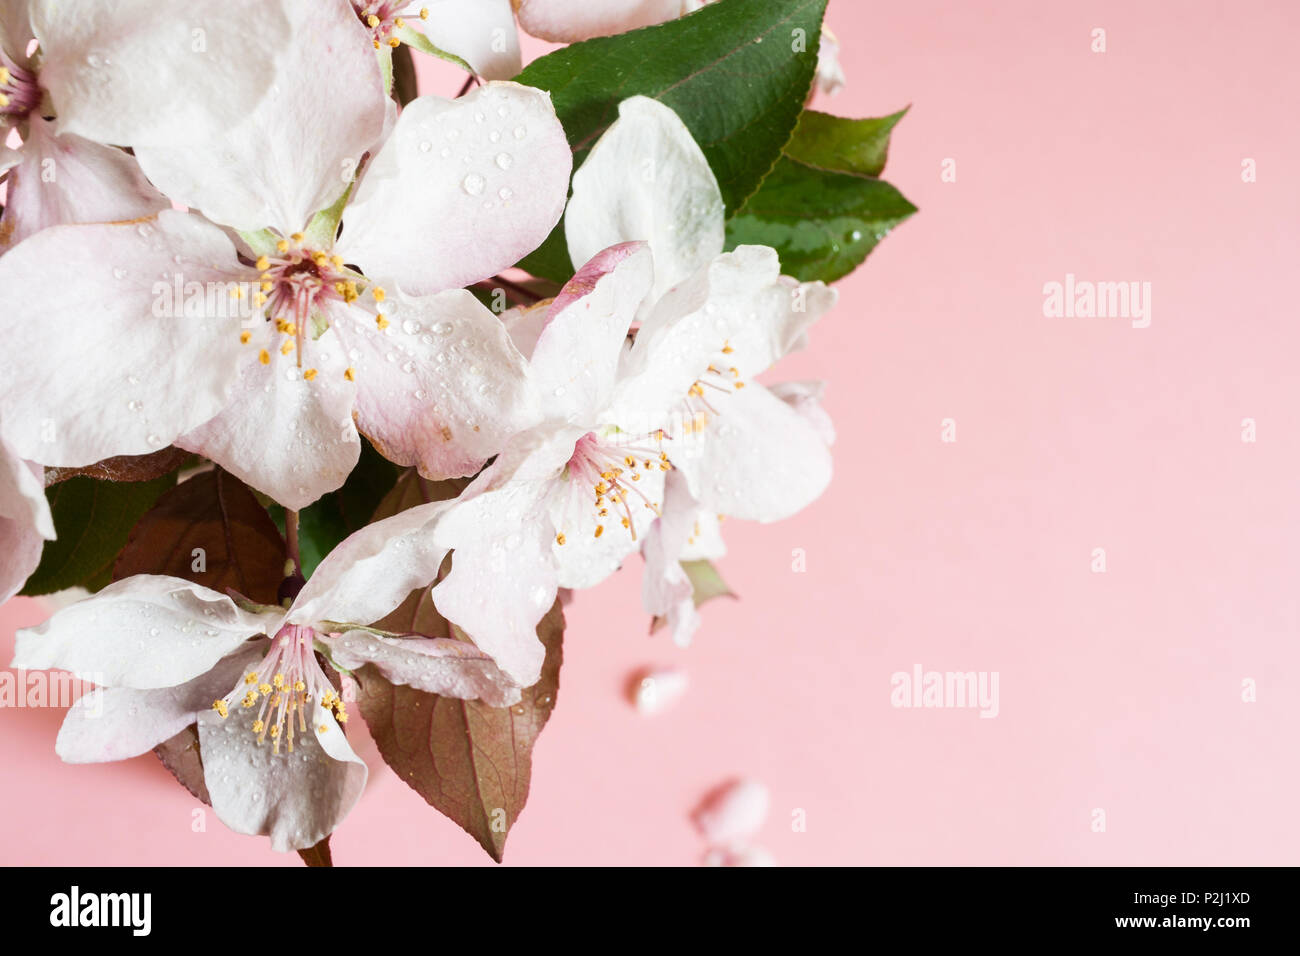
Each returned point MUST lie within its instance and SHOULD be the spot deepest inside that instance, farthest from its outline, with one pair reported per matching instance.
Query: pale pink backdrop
(1120, 691)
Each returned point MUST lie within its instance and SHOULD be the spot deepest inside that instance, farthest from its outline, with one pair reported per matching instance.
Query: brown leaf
(471, 762)
(411, 490)
(318, 855)
(124, 467)
(180, 755)
(240, 546)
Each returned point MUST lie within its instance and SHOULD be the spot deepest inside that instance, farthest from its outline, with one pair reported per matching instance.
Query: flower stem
(291, 539)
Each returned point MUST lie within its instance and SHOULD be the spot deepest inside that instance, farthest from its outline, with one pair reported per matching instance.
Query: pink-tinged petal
(296, 152)
(443, 387)
(297, 799)
(656, 690)
(130, 74)
(373, 570)
(806, 399)
(666, 590)
(503, 573)
(67, 179)
(757, 459)
(524, 324)
(461, 190)
(482, 34)
(739, 855)
(830, 75)
(111, 365)
(145, 631)
(25, 520)
(739, 302)
(568, 21)
(442, 666)
(576, 357)
(733, 812)
(116, 723)
(287, 430)
(646, 179)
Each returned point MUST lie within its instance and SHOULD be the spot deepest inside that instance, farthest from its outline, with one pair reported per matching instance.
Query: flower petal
(734, 812)
(115, 723)
(442, 666)
(647, 179)
(108, 368)
(666, 590)
(25, 520)
(373, 570)
(568, 21)
(67, 179)
(758, 459)
(806, 399)
(131, 74)
(482, 34)
(297, 799)
(288, 436)
(298, 149)
(576, 357)
(145, 631)
(461, 190)
(443, 388)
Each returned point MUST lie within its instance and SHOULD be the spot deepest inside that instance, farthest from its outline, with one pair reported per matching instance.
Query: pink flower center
(611, 473)
(383, 17)
(300, 286)
(19, 94)
(292, 690)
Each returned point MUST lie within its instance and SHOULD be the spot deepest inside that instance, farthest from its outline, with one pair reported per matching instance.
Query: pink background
(1119, 691)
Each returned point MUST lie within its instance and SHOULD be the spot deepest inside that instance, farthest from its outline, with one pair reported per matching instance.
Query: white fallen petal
(655, 690)
(733, 812)
(739, 855)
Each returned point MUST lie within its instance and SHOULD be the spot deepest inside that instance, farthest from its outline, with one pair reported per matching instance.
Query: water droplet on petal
(472, 184)
(505, 160)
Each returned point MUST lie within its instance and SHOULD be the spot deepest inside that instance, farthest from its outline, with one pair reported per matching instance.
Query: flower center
(721, 377)
(290, 686)
(383, 18)
(611, 472)
(19, 94)
(299, 286)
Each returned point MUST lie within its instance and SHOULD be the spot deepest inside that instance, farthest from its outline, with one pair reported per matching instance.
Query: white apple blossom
(567, 500)
(160, 334)
(25, 520)
(169, 652)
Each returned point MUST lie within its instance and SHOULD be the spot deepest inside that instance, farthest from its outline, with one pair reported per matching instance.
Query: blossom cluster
(222, 234)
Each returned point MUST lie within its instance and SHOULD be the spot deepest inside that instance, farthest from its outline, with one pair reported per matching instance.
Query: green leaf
(756, 58)
(92, 519)
(840, 145)
(326, 522)
(471, 762)
(822, 208)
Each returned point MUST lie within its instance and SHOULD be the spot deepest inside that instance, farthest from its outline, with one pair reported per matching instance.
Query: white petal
(297, 799)
(576, 358)
(481, 33)
(806, 399)
(146, 631)
(443, 387)
(503, 573)
(524, 323)
(739, 854)
(116, 723)
(734, 812)
(656, 690)
(287, 436)
(442, 666)
(296, 152)
(373, 570)
(830, 75)
(107, 368)
(568, 21)
(646, 179)
(25, 520)
(586, 559)
(67, 179)
(461, 190)
(666, 590)
(131, 74)
(759, 459)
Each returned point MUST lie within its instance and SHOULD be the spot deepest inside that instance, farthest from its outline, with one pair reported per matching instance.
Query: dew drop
(520, 132)
(119, 273)
(410, 327)
(506, 193)
(425, 146)
(135, 405)
(505, 160)
(472, 184)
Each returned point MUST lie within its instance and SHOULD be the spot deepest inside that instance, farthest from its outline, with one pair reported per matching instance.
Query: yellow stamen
(309, 374)
(264, 357)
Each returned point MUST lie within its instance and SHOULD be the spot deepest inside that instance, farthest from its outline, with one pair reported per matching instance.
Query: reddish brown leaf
(211, 530)
(411, 490)
(471, 762)
(318, 855)
(180, 755)
(124, 467)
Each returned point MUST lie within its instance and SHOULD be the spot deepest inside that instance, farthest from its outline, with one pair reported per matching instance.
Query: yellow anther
(250, 698)
(381, 322)
(559, 538)
(735, 372)
(337, 261)
(4, 100)
(600, 529)
(259, 298)
(250, 678)
(263, 263)
(258, 726)
(237, 292)
(278, 682)
(350, 374)
(244, 337)
(264, 687)
(726, 348)
(309, 374)
(296, 237)
(299, 686)
(4, 74)
(424, 13)
(376, 43)
(320, 258)
(264, 357)
(378, 293)
(287, 347)
(627, 523)
(321, 729)
(399, 22)
(275, 731)
(282, 245)
(740, 385)
(220, 707)
(394, 42)
(268, 286)
(630, 461)
(372, 21)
